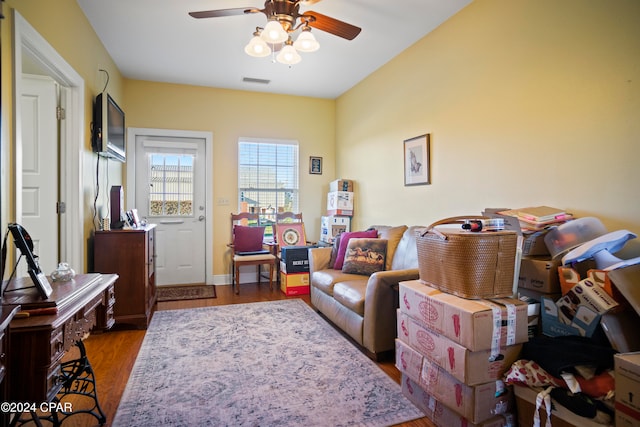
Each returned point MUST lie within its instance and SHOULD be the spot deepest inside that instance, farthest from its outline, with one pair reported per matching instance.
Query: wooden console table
(39, 342)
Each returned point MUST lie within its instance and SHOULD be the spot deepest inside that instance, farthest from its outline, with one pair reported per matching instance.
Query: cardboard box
(560, 416)
(294, 284)
(537, 296)
(469, 367)
(442, 416)
(586, 293)
(331, 226)
(294, 259)
(539, 274)
(627, 371)
(467, 322)
(341, 185)
(475, 403)
(533, 315)
(533, 244)
(340, 203)
(584, 322)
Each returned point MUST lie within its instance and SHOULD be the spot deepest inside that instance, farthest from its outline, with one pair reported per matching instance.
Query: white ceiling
(157, 40)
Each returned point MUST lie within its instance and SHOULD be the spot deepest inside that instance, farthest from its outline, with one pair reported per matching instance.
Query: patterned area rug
(272, 363)
(173, 293)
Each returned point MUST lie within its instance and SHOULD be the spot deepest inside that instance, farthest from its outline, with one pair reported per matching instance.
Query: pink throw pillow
(344, 242)
(247, 239)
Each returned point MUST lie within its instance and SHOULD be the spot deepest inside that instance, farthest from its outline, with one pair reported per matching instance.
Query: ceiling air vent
(253, 80)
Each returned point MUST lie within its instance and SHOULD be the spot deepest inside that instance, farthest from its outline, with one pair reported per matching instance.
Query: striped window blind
(268, 177)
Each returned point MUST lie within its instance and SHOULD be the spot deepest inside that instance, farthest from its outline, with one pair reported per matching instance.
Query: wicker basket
(468, 264)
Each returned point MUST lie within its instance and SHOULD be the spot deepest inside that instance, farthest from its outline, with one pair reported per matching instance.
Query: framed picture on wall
(416, 160)
(315, 165)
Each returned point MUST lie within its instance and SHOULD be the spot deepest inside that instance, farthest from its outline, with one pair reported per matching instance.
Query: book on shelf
(541, 214)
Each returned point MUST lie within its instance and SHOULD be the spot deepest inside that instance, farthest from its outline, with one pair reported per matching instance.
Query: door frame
(132, 134)
(28, 41)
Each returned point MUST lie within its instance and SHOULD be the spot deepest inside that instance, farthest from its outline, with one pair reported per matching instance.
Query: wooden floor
(113, 354)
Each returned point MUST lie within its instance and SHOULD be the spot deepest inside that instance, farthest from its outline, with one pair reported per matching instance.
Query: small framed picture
(416, 160)
(315, 165)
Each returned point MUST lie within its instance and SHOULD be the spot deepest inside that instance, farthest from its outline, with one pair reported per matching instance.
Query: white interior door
(39, 152)
(170, 192)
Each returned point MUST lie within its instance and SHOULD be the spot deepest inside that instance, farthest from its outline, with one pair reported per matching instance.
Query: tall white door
(170, 192)
(39, 193)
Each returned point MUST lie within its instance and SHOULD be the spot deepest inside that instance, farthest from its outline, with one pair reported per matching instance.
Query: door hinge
(61, 207)
(60, 113)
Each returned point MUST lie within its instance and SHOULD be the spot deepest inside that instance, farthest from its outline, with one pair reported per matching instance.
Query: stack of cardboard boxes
(339, 210)
(453, 352)
(294, 270)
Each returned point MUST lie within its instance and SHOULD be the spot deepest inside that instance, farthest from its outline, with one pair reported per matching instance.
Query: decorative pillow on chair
(344, 241)
(365, 256)
(247, 239)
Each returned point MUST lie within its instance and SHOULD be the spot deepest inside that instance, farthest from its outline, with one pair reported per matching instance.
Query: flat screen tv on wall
(108, 136)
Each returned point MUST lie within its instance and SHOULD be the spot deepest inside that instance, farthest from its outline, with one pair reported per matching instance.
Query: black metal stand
(77, 379)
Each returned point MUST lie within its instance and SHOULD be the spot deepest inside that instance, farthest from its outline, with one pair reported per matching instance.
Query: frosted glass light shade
(257, 48)
(306, 42)
(274, 33)
(288, 55)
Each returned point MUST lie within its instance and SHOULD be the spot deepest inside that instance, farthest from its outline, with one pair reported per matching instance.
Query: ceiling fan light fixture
(288, 55)
(257, 47)
(274, 33)
(306, 42)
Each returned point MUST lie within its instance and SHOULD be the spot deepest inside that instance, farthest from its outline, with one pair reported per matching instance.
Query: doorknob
(201, 218)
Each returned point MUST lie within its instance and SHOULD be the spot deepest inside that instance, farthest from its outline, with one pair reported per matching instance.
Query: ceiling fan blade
(332, 25)
(223, 12)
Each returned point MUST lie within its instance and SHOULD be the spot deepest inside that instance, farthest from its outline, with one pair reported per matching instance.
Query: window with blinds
(267, 178)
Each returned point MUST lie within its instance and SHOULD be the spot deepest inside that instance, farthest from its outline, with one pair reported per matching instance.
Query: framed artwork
(290, 234)
(416, 160)
(315, 165)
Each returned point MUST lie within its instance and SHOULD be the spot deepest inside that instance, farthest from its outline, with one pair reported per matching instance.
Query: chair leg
(259, 274)
(236, 275)
(270, 277)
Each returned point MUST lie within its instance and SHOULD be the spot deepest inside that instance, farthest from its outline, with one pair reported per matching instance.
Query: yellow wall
(227, 114)
(527, 103)
(230, 115)
(66, 29)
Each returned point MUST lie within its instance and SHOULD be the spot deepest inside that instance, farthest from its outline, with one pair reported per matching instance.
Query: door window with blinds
(171, 184)
(267, 179)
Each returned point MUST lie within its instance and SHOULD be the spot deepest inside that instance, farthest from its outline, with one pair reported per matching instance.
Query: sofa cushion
(334, 251)
(393, 235)
(344, 241)
(407, 252)
(365, 256)
(324, 280)
(351, 294)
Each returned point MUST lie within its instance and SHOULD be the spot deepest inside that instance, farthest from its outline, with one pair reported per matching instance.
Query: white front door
(170, 192)
(39, 193)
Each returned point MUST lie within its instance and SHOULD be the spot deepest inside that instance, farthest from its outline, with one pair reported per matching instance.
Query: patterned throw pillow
(365, 256)
(344, 241)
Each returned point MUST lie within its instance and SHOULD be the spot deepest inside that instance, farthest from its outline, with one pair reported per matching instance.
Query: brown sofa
(364, 307)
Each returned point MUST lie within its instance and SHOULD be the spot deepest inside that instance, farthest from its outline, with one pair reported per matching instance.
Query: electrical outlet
(223, 201)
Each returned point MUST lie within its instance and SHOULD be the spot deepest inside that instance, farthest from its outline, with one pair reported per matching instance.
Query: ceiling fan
(283, 18)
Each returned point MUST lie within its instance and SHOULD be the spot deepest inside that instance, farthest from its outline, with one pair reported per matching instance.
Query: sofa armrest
(319, 259)
(380, 304)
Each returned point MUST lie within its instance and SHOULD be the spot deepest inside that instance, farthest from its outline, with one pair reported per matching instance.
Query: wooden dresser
(131, 255)
(6, 315)
(37, 343)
